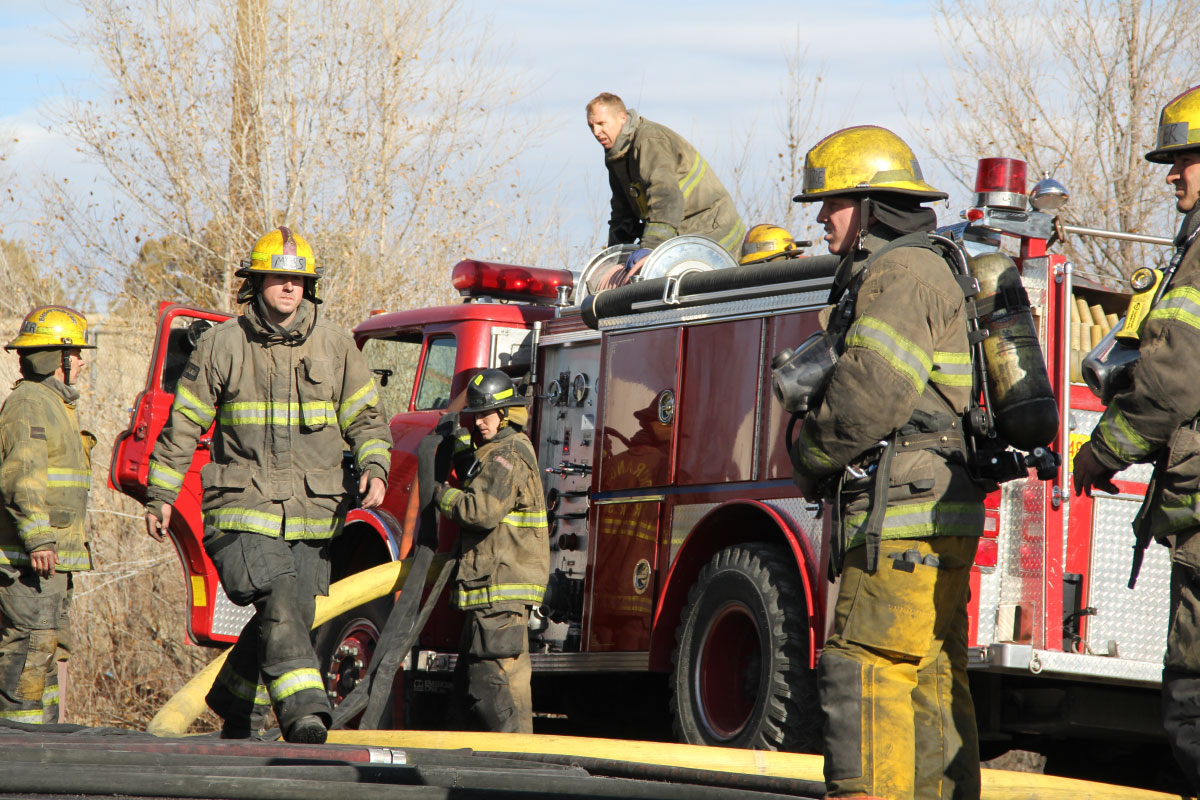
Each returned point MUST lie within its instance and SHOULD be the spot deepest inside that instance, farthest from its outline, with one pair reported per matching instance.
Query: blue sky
(711, 70)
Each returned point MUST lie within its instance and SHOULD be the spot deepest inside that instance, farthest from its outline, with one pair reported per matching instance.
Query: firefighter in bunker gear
(907, 516)
(289, 393)
(505, 561)
(45, 475)
(1156, 418)
(661, 187)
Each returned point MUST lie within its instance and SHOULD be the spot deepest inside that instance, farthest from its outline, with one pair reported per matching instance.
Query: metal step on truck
(688, 595)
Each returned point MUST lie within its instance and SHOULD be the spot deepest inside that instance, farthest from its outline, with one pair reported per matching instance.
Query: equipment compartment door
(213, 617)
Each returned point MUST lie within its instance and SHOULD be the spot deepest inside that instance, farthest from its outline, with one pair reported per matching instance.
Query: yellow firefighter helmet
(862, 160)
(765, 242)
(280, 252)
(51, 326)
(1178, 127)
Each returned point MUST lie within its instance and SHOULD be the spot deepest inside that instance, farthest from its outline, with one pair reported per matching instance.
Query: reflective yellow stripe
(1181, 304)
(897, 350)
(252, 520)
(353, 405)
(920, 520)
(163, 476)
(525, 519)
(732, 239)
(1115, 433)
(297, 680)
(692, 179)
(30, 716)
(251, 413)
(193, 408)
(372, 447)
(446, 501)
(810, 455)
(951, 369)
(60, 477)
(34, 525)
(500, 593)
(238, 686)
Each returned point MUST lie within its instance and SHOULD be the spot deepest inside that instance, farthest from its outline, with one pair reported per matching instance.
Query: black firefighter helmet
(491, 390)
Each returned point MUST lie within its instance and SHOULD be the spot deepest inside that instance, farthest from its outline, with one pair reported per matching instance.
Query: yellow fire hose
(181, 710)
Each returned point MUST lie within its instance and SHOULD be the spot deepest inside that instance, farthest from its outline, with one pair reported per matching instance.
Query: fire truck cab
(684, 565)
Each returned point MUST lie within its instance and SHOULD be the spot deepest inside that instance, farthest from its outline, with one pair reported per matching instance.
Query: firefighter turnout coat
(286, 404)
(1155, 416)
(501, 516)
(905, 358)
(661, 187)
(45, 474)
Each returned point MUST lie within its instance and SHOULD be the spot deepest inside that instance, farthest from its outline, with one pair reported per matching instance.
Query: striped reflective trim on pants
(243, 689)
(164, 477)
(921, 520)
(353, 405)
(500, 593)
(951, 369)
(1115, 433)
(193, 407)
(897, 350)
(296, 680)
(30, 716)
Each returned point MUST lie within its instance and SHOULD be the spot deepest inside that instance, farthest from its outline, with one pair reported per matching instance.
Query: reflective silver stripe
(163, 476)
(500, 593)
(659, 229)
(240, 687)
(692, 179)
(372, 447)
(810, 455)
(1115, 433)
(250, 413)
(1181, 304)
(903, 355)
(250, 520)
(731, 239)
(32, 526)
(526, 519)
(446, 501)
(193, 408)
(30, 716)
(297, 680)
(60, 477)
(352, 406)
(920, 520)
(951, 369)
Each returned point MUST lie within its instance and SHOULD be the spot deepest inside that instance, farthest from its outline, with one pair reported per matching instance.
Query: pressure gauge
(579, 388)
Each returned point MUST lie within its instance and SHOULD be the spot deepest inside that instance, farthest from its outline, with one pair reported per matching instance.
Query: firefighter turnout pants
(893, 676)
(35, 635)
(272, 663)
(491, 677)
(1181, 669)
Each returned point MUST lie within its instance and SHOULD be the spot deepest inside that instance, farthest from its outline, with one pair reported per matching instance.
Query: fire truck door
(213, 617)
(640, 386)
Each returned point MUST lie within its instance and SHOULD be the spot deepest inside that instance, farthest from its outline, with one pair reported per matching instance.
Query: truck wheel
(741, 676)
(345, 646)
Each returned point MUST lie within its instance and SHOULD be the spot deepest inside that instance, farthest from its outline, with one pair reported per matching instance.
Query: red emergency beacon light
(1000, 183)
(510, 282)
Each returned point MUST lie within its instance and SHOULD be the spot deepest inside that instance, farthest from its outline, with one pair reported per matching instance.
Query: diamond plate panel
(683, 518)
(1135, 619)
(1020, 568)
(228, 619)
(989, 599)
(797, 509)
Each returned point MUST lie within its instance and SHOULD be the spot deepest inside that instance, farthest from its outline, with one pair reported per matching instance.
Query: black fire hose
(407, 617)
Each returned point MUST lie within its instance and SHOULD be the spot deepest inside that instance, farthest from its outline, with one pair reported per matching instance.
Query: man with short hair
(1155, 419)
(885, 446)
(661, 187)
(290, 394)
(45, 476)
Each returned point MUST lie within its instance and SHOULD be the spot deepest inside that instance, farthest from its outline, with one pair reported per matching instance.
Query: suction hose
(178, 713)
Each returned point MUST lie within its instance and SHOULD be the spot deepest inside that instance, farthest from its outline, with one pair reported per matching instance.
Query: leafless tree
(764, 194)
(1074, 88)
(376, 128)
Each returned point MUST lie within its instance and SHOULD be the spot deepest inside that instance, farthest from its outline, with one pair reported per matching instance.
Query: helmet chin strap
(66, 367)
(864, 221)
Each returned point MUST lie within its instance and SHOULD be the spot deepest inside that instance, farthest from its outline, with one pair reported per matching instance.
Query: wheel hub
(727, 678)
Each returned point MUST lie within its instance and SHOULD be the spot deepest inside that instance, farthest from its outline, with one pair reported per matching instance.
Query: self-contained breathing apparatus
(1012, 417)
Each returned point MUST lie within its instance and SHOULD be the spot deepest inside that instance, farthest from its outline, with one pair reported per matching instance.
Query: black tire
(347, 641)
(741, 676)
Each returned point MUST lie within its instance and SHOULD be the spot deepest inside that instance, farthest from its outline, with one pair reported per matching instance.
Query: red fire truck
(687, 575)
